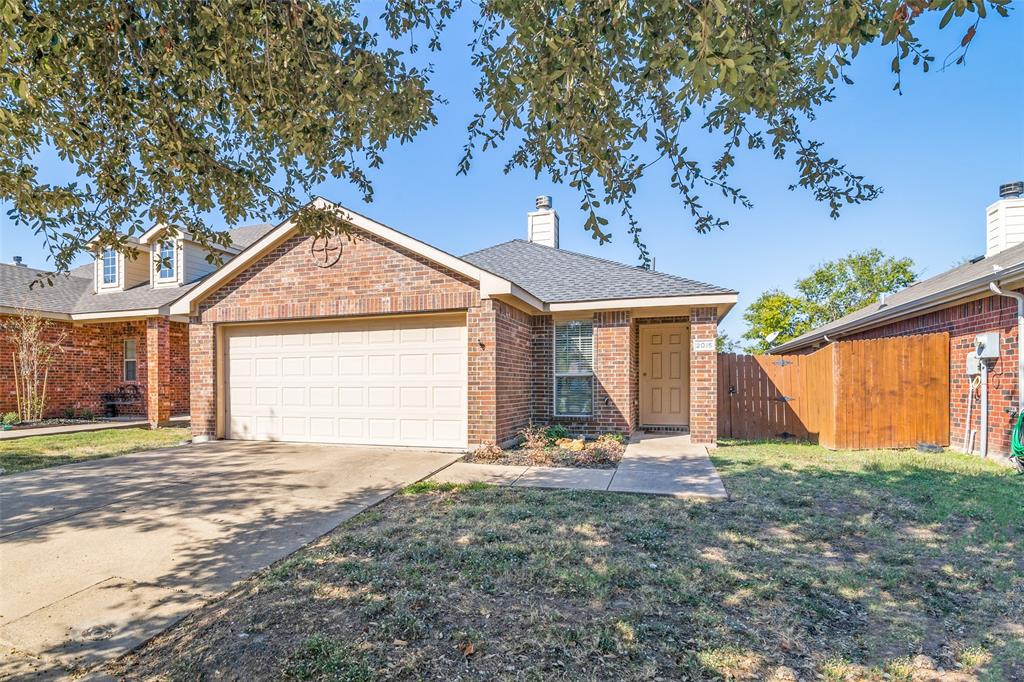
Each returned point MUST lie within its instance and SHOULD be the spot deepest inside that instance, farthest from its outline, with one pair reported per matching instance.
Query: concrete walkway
(91, 426)
(100, 556)
(654, 464)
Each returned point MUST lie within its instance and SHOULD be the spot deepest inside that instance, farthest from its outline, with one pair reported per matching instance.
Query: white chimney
(542, 224)
(1005, 219)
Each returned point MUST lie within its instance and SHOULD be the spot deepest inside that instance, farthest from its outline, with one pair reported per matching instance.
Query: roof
(935, 292)
(560, 276)
(72, 293)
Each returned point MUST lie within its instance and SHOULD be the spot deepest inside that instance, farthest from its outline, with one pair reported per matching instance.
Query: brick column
(482, 393)
(158, 371)
(613, 348)
(203, 380)
(703, 377)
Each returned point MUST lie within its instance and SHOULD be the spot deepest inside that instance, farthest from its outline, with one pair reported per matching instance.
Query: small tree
(36, 346)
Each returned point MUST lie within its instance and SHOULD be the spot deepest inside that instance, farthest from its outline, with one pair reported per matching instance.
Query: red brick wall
(93, 363)
(514, 369)
(614, 375)
(372, 277)
(703, 377)
(963, 322)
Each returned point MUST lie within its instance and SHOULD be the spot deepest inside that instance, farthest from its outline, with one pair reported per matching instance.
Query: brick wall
(614, 375)
(92, 363)
(703, 377)
(963, 322)
(373, 277)
(514, 391)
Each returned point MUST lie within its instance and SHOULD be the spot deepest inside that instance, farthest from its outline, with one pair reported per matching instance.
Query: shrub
(11, 418)
(87, 414)
(69, 413)
(556, 432)
(534, 437)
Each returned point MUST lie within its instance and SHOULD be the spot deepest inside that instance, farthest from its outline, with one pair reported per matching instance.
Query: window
(167, 260)
(130, 361)
(110, 266)
(574, 368)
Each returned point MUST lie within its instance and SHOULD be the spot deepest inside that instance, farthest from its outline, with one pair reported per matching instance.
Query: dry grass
(834, 566)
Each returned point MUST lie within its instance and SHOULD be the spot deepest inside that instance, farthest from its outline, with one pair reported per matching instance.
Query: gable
(371, 276)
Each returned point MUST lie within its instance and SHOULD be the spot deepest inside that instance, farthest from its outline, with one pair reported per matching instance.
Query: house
(975, 298)
(379, 338)
(384, 339)
(118, 331)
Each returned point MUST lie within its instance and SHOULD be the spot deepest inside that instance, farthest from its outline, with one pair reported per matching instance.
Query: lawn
(39, 452)
(823, 565)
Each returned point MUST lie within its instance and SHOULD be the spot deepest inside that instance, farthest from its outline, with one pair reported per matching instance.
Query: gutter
(979, 285)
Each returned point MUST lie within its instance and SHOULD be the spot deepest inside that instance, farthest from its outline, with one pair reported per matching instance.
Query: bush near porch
(824, 565)
(555, 446)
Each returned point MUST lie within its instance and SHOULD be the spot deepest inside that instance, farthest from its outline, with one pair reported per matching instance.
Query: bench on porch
(116, 400)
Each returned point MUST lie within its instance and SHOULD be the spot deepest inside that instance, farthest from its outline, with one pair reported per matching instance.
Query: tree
(835, 289)
(170, 110)
(36, 345)
(725, 344)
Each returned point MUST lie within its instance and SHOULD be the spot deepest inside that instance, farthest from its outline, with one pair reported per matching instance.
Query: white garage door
(380, 382)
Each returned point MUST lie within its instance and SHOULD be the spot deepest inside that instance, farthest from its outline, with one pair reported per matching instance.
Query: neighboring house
(962, 302)
(114, 315)
(384, 339)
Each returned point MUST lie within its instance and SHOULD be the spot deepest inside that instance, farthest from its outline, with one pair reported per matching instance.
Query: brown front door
(665, 375)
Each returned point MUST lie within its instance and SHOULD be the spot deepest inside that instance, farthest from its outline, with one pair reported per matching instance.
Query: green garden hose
(1016, 446)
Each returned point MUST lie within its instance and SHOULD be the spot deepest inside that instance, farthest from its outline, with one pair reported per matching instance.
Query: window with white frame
(109, 261)
(167, 264)
(130, 361)
(574, 368)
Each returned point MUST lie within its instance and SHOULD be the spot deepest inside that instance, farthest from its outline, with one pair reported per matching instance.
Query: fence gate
(878, 393)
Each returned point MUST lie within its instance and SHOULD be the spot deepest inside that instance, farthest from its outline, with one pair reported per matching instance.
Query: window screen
(574, 368)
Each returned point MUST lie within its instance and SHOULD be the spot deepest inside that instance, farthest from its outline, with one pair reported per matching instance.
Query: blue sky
(940, 151)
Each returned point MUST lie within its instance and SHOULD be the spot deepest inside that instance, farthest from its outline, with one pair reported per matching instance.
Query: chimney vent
(1010, 190)
(16, 260)
(542, 224)
(1004, 220)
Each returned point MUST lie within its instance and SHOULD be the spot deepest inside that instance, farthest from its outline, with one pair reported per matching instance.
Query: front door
(664, 375)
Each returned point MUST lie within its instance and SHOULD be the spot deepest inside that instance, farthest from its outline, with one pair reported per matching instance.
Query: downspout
(1017, 296)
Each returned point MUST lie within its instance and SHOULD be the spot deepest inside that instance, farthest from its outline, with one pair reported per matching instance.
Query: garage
(381, 381)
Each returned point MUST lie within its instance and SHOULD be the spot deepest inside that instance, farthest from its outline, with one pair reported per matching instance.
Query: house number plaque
(703, 345)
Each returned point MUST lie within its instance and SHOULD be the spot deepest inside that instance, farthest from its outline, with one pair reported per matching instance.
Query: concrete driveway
(95, 558)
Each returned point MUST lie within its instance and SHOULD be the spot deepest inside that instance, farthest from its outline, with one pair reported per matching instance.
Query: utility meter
(973, 364)
(987, 345)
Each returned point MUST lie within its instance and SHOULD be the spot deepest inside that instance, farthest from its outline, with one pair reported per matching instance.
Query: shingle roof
(560, 276)
(961, 281)
(73, 293)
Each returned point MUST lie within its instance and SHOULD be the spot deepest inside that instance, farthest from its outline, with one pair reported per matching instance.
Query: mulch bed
(539, 450)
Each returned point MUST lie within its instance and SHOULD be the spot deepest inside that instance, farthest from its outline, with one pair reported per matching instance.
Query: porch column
(202, 380)
(482, 395)
(158, 371)
(703, 376)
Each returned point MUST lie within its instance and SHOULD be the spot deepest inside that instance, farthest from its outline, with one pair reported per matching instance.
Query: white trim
(11, 310)
(695, 300)
(117, 314)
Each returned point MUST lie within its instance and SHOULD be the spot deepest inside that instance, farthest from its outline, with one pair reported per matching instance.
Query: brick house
(975, 298)
(384, 339)
(116, 324)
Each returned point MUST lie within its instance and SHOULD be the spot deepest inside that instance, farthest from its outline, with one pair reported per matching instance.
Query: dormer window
(109, 266)
(167, 261)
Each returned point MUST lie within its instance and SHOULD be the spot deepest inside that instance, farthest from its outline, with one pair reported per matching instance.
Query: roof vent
(16, 260)
(1005, 219)
(542, 224)
(1010, 190)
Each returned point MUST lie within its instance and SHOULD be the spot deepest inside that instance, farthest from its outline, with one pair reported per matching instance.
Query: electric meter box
(973, 364)
(987, 345)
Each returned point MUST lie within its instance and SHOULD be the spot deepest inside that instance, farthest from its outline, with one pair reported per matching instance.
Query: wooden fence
(879, 393)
